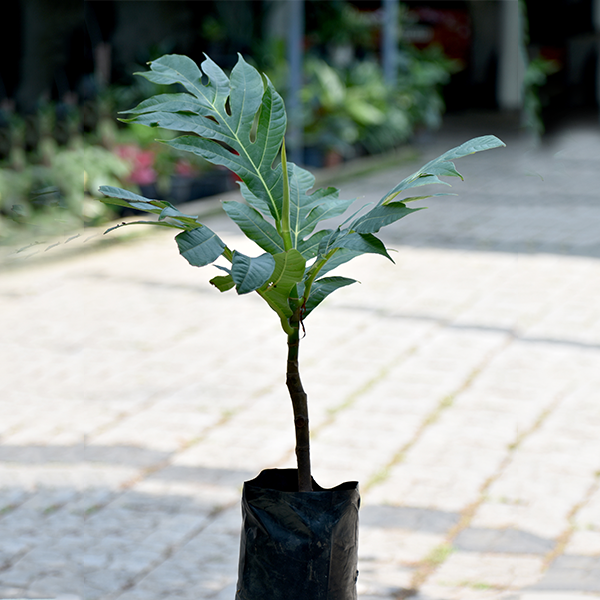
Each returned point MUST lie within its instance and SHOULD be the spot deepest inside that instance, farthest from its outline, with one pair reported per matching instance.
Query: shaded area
(571, 572)
(503, 541)
(126, 534)
(407, 517)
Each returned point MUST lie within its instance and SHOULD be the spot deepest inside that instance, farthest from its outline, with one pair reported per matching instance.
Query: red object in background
(141, 161)
(448, 28)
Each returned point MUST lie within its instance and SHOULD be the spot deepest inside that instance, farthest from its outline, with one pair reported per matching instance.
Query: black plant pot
(185, 188)
(297, 545)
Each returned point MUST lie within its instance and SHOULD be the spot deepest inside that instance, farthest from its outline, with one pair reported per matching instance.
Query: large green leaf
(200, 246)
(222, 113)
(250, 273)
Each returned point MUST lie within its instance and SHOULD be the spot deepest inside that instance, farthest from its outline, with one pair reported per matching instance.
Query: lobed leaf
(221, 114)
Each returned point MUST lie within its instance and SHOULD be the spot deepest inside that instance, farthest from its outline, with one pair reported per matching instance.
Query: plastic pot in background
(297, 545)
(185, 188)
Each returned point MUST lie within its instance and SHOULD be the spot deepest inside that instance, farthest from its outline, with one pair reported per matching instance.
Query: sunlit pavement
(460, 386)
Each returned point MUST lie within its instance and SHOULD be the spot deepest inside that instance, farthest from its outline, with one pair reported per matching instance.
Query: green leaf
(255, 202)
(309, 248)
(200, 246)
(170, 103)
(223, 282)
(289, 270)
(361, 243)
(364, 243)
(222, 114)
(341, 256)
(415, 198)
(182, 220)
(322, 288)
(159, 207)
(249, 273)
(129, 199)
(126, 223)
(380, 216)
(478, 144)
(307, 210)
(443, 165)
(252, 223)
(174, 68)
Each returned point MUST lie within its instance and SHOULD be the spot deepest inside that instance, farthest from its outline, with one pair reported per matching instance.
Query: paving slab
(459, 385)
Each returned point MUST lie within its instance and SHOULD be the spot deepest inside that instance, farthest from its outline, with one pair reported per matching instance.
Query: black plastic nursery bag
(297, 545)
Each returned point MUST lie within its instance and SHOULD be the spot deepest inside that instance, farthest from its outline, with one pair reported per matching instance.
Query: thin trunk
(300, 406)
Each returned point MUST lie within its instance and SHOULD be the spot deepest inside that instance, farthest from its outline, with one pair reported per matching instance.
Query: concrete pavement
(460, 386)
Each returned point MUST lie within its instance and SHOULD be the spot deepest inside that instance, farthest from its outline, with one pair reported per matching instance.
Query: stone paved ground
(460, 386)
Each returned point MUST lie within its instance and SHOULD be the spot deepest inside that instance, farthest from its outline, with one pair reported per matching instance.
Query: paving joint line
(355, 395)
(171, 550)
(564, 538)
(10, 508)
(153, 398)
(351, 398)
(151, 469)
(429, 567)
(444, 404)
(10, 562)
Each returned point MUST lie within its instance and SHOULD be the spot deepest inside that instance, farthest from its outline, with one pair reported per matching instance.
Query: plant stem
(300, 407)
(314, 271)
(285, 208)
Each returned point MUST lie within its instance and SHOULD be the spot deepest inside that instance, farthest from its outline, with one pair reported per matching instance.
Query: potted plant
(298, 540)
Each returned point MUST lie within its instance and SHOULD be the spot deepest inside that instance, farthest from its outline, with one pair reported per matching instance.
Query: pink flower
(141, 161)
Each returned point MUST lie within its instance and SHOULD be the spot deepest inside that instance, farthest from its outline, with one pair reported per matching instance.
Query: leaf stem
(315, 270)
(286, 233)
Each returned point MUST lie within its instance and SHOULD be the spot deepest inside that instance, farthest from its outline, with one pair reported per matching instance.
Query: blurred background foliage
(59, 134)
